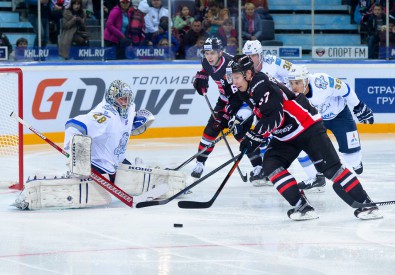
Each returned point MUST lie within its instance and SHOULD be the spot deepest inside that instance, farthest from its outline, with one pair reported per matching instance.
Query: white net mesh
(9, 133)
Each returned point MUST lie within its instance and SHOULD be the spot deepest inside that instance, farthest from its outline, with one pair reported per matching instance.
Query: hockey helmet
(212, 43)
(119, 89)
(253, 47)
(299, 72)
(240, 64)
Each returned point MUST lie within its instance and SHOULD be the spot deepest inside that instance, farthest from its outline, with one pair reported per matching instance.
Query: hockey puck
(178, 225)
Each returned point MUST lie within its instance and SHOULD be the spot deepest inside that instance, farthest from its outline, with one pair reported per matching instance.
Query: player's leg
(316, 181)
(345, 131)
(323, 154)
(276, 161)
(210, 133)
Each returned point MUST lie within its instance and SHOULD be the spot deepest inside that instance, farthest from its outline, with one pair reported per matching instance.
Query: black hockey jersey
(279, 111)
(218, 74)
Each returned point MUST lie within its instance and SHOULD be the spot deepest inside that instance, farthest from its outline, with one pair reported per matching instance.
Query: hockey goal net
(11, 132)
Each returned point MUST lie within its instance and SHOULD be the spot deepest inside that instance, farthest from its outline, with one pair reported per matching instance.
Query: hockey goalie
(98, 141)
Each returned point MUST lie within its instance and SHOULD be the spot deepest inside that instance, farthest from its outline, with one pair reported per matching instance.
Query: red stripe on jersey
(299, 113)
(220, 64)
(288, 185)
(352, 185)
(278, 175)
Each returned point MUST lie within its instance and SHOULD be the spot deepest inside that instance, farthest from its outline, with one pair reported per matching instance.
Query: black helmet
(240, 63)
(212, 43)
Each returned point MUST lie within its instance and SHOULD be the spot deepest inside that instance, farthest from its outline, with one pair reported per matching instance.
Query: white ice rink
(246, 231)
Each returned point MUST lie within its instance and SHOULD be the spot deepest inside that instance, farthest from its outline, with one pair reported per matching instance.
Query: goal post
(11, 132)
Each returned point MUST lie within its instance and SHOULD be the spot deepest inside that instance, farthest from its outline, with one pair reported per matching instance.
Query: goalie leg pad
(62, 193)
(136, 180)
(80, 154)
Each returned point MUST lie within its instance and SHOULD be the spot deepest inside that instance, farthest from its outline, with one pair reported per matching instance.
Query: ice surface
(246, 231)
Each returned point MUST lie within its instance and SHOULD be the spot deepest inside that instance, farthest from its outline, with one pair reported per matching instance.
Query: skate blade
(374, 215)
(310, 215)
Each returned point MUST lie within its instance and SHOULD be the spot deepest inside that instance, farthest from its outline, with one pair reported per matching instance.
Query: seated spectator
(231, 46)
(152, 19)
(375, 22)
(117, 22)
(183, 21)
(21, 45)
(201, 8)
(5, 42)
(250, 24)
(191, 37)
(87, 6)
(214, 18)
(163, 32)
(383, 36)
(226, 31)
(74, 30)
(136, 28)
(263, 4)
(195, 52)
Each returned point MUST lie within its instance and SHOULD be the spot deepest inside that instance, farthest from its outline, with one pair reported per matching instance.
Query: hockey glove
(251, 141)
(363, 113)
(235, 126)
(201, 82)
(221, 120)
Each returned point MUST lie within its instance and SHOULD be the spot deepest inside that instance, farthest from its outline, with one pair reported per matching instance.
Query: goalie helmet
(299, 73)
(240, 64)
(117, 90)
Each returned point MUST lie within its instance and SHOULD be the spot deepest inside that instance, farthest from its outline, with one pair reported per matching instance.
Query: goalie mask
(240, 64)
(120, 95)
(298, 73)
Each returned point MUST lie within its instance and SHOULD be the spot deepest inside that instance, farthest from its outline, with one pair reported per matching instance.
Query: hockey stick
(152, 203)
(244, 178)
(98, 178)
(353, 203)
(207, 204)
(209, 146)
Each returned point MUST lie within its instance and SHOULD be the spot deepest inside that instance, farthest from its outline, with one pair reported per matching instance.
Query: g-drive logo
(52, 95)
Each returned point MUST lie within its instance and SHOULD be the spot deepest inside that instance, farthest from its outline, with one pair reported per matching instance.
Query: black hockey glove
(221, 120)
(363, 113)
(251, 141)
(201, 82)
(235, 126)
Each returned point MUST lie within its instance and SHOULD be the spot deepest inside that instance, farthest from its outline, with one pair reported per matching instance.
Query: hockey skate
(316, 184)
(198, 170)
(302, 211)
(358, 169)
(368, 213)
(257, 178)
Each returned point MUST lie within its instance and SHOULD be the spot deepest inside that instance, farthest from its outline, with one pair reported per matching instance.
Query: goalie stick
(207, 204)
(243, 177)
(100, 179)
(209, 146)
(161, 202)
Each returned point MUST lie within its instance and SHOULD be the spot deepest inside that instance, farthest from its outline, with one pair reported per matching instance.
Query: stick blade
(194, 204)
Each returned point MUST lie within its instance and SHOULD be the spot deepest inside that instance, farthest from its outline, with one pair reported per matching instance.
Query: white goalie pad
(137, 179)
(142, 121)
(61, 193)
(80, 154)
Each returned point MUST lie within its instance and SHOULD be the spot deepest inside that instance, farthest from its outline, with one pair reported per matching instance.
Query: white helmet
(116, 90)
(252, 47)
(299, 73)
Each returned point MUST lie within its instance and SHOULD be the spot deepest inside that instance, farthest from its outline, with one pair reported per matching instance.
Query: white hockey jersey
(330, 95)
(109, 132)
(276, 67)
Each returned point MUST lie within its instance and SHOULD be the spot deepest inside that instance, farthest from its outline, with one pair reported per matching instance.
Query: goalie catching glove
(251, 141)
(201, 82)
(363, 113)
(141, 122)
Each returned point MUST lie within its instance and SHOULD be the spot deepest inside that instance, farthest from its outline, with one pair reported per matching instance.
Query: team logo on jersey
(268, 59)
(320, 82)
(122, 144)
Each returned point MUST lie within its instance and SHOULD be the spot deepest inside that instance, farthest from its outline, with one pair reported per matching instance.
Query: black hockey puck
(178, 225)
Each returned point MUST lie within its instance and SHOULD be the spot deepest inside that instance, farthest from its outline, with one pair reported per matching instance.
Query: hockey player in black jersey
(229, 106)
(295, 125)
